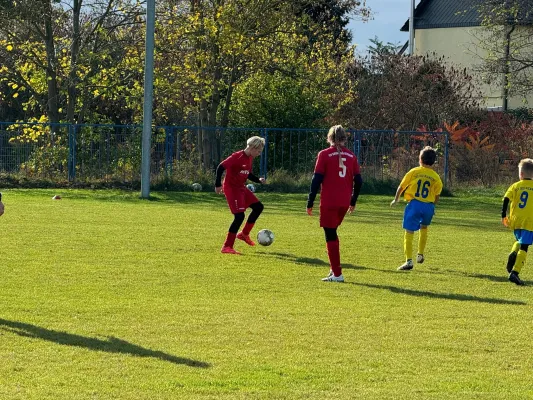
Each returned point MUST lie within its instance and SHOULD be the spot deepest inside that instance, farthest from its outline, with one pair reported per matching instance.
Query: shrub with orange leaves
(472, 155)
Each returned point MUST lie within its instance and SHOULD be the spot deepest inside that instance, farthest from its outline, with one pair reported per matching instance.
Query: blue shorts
(417, 213)
(523, 236)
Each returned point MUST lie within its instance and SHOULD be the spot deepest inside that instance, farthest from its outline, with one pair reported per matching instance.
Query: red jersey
(337, 186)
(238, 166)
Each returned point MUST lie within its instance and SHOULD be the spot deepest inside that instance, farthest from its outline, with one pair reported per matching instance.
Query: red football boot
(245, 238)
(229, 250)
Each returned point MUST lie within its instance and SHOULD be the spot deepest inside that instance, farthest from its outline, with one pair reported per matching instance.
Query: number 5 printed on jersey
(342, 172)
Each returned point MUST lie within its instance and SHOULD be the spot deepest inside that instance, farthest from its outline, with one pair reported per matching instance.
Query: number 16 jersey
(337, 185)
(422, 184)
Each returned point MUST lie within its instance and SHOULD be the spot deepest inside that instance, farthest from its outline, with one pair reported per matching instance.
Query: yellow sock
(516, 247)
(520, 260)
(408, 245)
(422, 240)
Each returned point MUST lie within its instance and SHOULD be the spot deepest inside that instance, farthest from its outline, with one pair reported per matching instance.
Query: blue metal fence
(102, 152)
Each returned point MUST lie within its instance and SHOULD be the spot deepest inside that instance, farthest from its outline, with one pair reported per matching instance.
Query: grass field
(105, 296)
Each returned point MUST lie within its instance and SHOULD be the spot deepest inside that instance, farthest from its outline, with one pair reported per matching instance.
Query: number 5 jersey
(338, 182)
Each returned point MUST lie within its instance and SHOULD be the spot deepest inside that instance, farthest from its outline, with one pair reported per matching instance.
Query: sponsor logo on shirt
(342, 153)
(431, 178)
(244, 171)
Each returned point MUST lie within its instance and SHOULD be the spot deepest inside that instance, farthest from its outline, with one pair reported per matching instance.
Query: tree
(223, 42)
(508, 41)
(61, 47)
(380, 48)
(399, 92)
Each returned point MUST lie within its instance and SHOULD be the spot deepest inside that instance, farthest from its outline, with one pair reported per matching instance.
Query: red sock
(334, 257)
(230, 240)
(248, 228)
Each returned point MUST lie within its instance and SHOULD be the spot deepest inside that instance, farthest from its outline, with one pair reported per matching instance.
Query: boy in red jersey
(337, 171)
(238, 169)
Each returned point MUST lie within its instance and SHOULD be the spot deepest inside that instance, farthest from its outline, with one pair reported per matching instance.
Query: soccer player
(421, 188)
(337, 174)
(520, 218)
(1, 206)
(238, 167)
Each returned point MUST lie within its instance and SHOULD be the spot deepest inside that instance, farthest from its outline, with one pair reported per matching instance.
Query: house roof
(458, 13)
(445, 14)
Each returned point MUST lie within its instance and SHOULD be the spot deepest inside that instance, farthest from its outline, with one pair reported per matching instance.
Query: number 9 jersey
(422, 184)
(521, 208)
(338, 183)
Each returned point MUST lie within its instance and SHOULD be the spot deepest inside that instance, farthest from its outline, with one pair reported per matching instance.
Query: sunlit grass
(106, 296)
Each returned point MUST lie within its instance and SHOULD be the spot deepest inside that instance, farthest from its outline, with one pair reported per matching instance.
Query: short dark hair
(428, 155)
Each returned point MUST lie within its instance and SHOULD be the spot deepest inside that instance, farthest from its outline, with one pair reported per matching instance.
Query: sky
(389, 17)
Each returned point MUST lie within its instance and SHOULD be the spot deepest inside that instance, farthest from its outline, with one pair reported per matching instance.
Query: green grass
(105, 296)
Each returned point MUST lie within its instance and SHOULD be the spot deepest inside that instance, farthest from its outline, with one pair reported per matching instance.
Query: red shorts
(331, 217)
(239, 199)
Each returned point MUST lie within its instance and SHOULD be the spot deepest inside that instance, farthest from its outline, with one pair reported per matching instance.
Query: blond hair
(336, 137)
(256, 142)
(526, 167)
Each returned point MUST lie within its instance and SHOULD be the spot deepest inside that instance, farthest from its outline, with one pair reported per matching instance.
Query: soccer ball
(265, 237)
(196, 187)
(251, 187)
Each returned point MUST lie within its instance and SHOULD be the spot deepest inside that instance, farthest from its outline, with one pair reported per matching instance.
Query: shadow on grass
(111, 345)
(298, 260)
(307, 260)
(449, 296)
(491, 278)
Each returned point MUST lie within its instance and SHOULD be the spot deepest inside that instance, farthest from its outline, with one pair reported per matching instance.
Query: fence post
(446, 160)
(72, 152)
(264, 155)
(169, 146)
(356, 144)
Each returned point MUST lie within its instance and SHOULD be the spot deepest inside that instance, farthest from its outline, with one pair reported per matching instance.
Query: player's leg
(422, 240)
(511, 259)
(525, 239)
(407, 250)
(330, 219)
(257, 207)
(411, 223)
(332, 244)
(238, 219)
(427, 212)
(519, 263)
(236, 202)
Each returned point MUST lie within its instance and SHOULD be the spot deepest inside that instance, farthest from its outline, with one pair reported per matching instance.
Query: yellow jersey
(422, 184)
(521, 208)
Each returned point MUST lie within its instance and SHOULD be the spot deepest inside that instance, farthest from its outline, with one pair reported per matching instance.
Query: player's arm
(397, 195)
(357, 183)
(315, 186)
(505, 205)
(402, 187)
(255, 179)
(218, 179)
